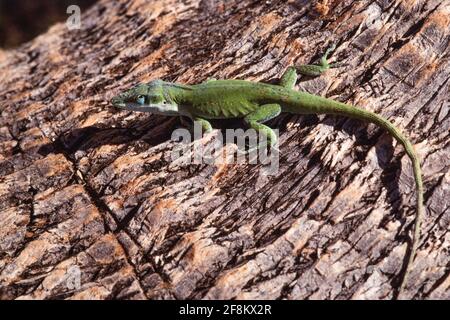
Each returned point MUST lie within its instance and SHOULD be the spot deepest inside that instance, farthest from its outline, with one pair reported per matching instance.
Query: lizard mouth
(118, 102)
(154, 108)
(132, 106)
(119, 105)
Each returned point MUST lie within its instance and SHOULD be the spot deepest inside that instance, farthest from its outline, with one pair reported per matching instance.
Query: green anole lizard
(257, 103)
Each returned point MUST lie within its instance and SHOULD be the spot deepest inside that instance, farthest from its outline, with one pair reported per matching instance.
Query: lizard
(256, 103)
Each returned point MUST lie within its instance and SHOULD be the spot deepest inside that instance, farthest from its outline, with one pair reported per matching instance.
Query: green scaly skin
(256, 103)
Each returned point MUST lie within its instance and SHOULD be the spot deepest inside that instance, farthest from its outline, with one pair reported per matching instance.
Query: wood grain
(85, 185)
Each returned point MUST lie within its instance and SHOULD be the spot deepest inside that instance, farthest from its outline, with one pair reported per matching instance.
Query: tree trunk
(92, 206)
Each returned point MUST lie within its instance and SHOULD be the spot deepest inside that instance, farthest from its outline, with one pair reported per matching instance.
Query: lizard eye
(140, 99)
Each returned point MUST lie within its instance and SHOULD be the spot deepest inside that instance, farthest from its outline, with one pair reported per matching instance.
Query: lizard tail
(306, 103)
(420, 210)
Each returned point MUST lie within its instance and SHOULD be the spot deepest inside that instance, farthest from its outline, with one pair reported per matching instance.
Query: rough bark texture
(88, 186)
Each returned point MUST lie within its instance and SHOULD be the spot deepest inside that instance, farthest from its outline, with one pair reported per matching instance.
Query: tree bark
(93, 207)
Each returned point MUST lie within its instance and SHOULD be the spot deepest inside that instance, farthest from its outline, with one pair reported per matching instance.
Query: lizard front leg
(206, 125)
(210, 80)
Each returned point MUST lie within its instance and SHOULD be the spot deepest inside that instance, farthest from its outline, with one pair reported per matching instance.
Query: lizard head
(150, 97)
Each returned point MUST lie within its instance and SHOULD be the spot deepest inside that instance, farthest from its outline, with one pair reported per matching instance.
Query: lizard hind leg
(289, 78)
(317, 69)
(263, 113)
